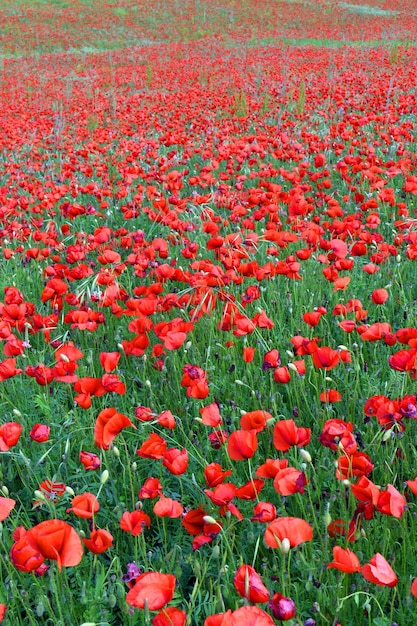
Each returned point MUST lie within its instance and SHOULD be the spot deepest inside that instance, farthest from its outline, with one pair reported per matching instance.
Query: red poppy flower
(58, 541)
(9, 435)
(8, 369)
(271, 468)
(325, 358)
(193, 521)
(6, 506)
(152, 589)
(379, 296)
(249, 585)
(171, 616)
(210, 415)
(288, 434)
(293, 529)
(242, 444)
(245, 616)
(250, 490)
(40, 433)
(337, 432)
(345, 560)
(176, 461)
(99, 541)
(282, 608)
(134, 522)
(264, 512)
(413, 587)
(215, 475)
(85, 505)
(25, 554)
(108, 424)
(167, 507)
(355, 464)
(248, 354)
(391, 502)
(154, 447)
(379, 571)
(90, 460)
(3, 609)
(282, 375)
(289, 480)
(109, 360)
(151, 488)
(166, 420)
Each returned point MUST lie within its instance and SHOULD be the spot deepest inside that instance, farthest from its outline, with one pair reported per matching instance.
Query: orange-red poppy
(84, 505)
(6, 506)
(345, 560)
(99, 541)
(153, 590)
(288, 434)
(379, 571)
(249, 584)
(294, 529)
(242, 444)
(134, 522)
(108, 424)
(171, 616)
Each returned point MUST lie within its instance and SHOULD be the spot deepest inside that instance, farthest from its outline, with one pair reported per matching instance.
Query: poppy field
(208, 313)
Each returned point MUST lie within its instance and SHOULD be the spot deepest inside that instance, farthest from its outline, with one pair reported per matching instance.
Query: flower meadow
(208, 313)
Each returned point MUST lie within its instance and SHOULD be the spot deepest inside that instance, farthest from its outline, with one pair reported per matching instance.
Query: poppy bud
(305, 455)
(285, 545)
(104, 477)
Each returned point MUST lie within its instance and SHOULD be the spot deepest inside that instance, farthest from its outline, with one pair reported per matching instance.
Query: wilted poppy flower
(152, 589)
(85, 505)
(108, 424)
(134, 522)
(249, 585)
(217, 439)
(90, 460)
(379, 571)
(40, 433)
(99, 541)
(6, 506)
(345, 560)
(171, 616)
(293, 529)
(282, 608)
